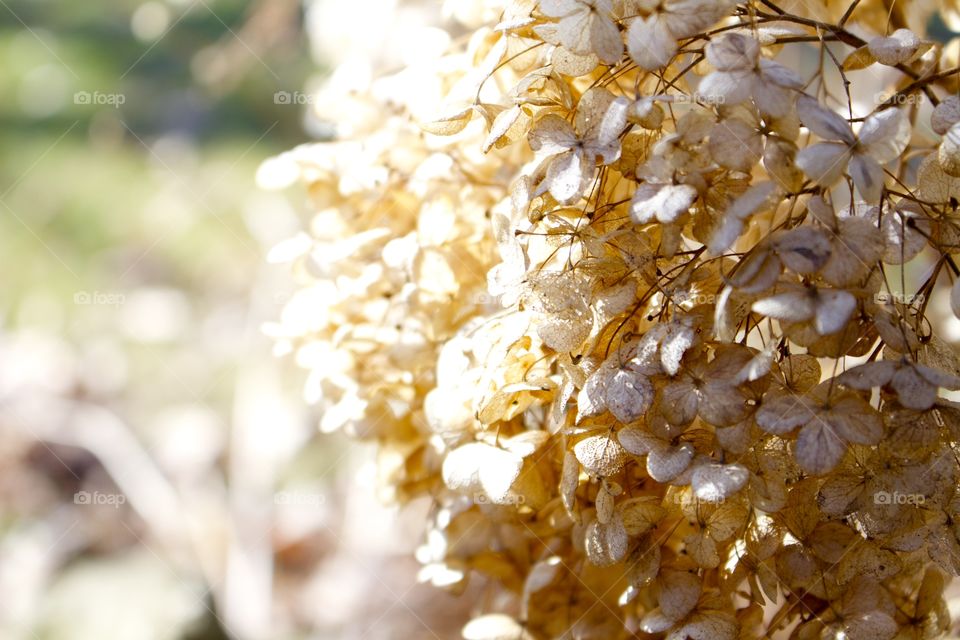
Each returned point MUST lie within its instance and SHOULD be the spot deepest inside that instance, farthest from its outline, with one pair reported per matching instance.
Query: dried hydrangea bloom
(657, 332)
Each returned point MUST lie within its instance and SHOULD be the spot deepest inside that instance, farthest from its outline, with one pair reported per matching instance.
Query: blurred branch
(269, 24)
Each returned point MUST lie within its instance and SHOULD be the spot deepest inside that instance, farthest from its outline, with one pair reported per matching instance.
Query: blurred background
(160, 475)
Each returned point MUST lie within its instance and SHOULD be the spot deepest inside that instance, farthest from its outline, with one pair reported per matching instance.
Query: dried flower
(649, 332)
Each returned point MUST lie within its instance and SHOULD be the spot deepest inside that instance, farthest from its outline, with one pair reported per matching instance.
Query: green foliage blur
(102, 197)
(134, 242)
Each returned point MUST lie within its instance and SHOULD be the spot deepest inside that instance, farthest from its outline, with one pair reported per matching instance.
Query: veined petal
(885, 135)
(650, 43)
(733, 52)
(818, 448)
(867, 176)
(551, 135)
(605, 39)
(665, 202)
(824, 162)
(559, 8)
(822, 121)
(771, 98)
(565, 175)
(834, 308)
(793, 306)
(780, 75)
(726, 87)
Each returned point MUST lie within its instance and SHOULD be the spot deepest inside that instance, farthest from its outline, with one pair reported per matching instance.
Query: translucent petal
(650, 43)
(825, 123)
(818, 448)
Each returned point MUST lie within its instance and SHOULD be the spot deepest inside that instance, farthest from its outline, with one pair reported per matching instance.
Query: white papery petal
(605, 38)
(665, 203)
(552, 135)
(818, 449)
(495, 626)
(946, 114)
(665, 463)
(885, 135)
(726, 87)
(482, 468)
(565, 175)
(867, 177)
(771, 98)
(733, 51)
(674, 345)
(717, 482)
(736, 144)
(754, 199)
(896, 49)
(629, 395)
(650, 43)
(834, 308)
(783, 413)
(868, 375)
(793, 306)
(824, 162)
(822, 121)
(955, 299)
(679, 592)
(689, 17)
(780, 75)
(559, 8)
(606, 544)
(575, 31)
(726, 235)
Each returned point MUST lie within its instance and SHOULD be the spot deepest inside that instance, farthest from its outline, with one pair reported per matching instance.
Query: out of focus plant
(637, 312)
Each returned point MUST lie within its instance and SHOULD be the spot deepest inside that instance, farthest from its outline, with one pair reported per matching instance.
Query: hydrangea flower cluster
(639, 310)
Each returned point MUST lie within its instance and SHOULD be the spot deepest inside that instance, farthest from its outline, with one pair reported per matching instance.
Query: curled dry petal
(662, 202)
(606, 544)
(600, 455)
(717, 482)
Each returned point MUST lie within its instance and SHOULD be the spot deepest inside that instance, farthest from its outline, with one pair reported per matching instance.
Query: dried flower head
(644, 307)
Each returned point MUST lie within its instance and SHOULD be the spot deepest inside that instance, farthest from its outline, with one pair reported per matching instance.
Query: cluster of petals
(637, 307)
